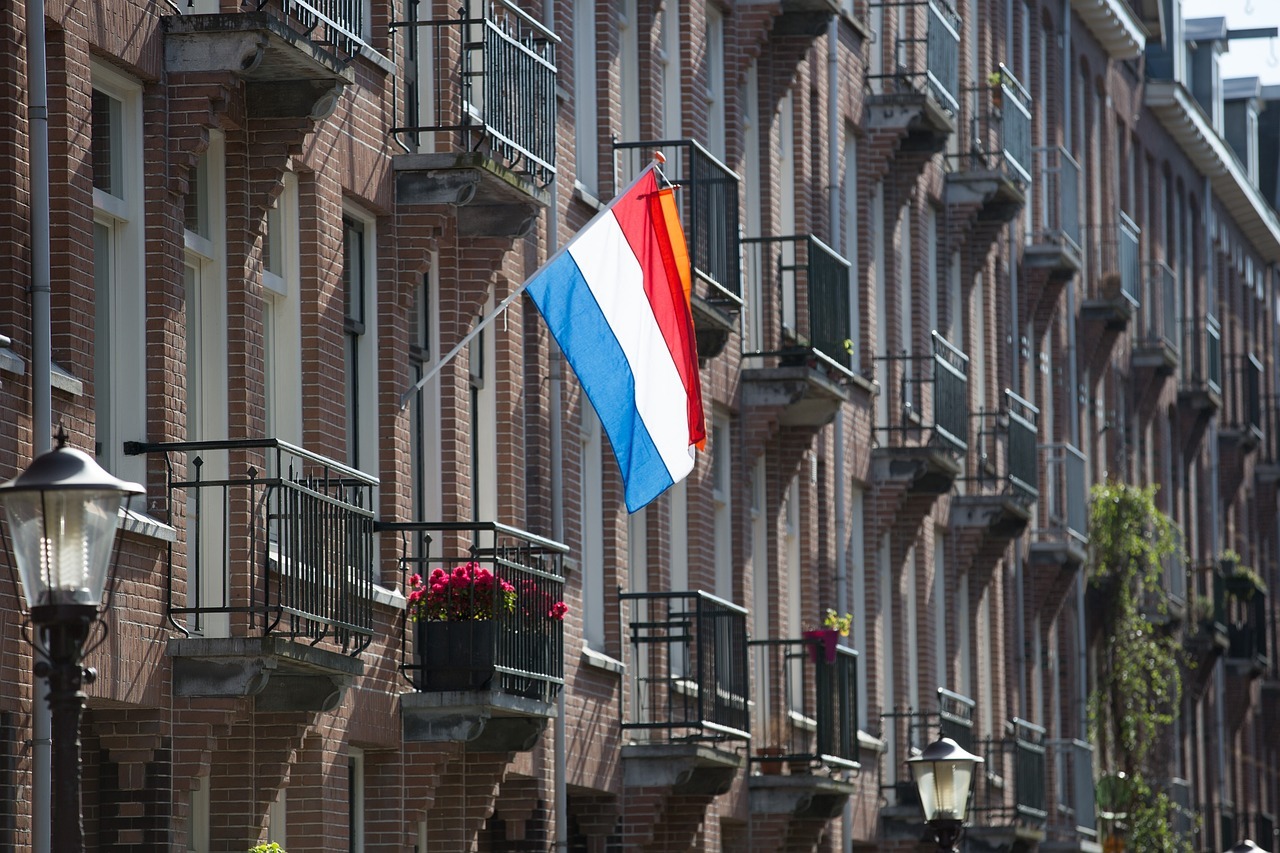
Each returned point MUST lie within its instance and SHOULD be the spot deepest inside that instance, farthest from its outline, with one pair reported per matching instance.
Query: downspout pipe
(41, 396)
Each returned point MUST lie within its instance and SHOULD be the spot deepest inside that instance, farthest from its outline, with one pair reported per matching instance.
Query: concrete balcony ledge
(925, 123)
(999, 195)
(806, 395)
(924, 469)
(804, 796)
(279, 674)
(482, 720)
(1114, 25)
(684, 768)
(490, 199)
(1000, 516)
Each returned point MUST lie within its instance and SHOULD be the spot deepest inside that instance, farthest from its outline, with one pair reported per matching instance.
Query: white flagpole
(515, 294)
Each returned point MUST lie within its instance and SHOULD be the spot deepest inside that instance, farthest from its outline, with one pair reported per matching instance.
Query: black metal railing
(1245, 395)
(339, 24)
(1160, 314)
(946, 372)
(1074, 812)
(907, 731)
(1000, 129)
(955, 717)
(1116, 265)
(1064, 503)
(1202, 353)
(928, 65)
(279, 541)
(687, 676)
(1264, 832)
(493, 73)
(812, 285)
(1014, 429)
(1247, 625)
(708, 201)
(1057, 202)
(811, 694)
(497, 626)
(1020, 756)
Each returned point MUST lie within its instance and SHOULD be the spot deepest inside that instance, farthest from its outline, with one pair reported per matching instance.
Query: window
(678, 506)
(592, 530)
(629, 69)
(360, 345)
(669, 58)
(277, 825)
(857, 559)
(940, 646)
(119, 273)
(282, 325)
(852, 247)
(882, 304)
(715, 81)
(721, 490)
(198, 822)
(484, 446)
(791, 548)
(763, 597)
(355, 799)
(585, 130)
(424, 410)
(753, 326)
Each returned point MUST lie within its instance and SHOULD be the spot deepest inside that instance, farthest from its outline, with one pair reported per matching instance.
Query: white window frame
(278, 818)
(483, 371)
(586, 114)
(754, 324)
(593, 597)
(425, 408)
(715, 92)
(198, 817)
(355, 799)
(722, 502)
(857, 559)
(672, 83)
(282, 318)
(120, 324)
(852, 247)
(365, 417)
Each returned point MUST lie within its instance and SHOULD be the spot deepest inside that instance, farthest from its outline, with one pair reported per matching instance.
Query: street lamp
(944, 777)
(1246, 846)
(63, 511)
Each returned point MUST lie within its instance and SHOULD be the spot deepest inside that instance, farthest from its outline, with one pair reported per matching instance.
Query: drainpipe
(41, 359)
(560, 771)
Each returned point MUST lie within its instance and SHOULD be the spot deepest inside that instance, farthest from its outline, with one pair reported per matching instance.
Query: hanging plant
(1139, 681)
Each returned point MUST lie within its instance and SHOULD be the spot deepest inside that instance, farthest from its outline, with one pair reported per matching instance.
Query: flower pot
(771, 768)
(453, 655)
(822, 645)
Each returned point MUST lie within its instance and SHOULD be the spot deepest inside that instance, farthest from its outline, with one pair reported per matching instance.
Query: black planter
(454, 655)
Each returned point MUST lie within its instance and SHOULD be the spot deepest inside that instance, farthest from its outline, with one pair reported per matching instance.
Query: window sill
(599, 660)
(11, 362)
(584, 195)
(870, 743)
(141, 524)
(389, 597)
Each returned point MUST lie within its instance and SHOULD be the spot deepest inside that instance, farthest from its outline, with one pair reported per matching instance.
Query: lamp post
(944, 776)
(63, 511)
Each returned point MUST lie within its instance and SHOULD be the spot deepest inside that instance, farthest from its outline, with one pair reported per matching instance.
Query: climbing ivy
(1139, 682)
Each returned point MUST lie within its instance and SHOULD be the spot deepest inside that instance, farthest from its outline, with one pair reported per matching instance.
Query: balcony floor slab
(806, 396)
(483, 720)
(685, 768)
(279, 674)
(804, 796)
(490, 199)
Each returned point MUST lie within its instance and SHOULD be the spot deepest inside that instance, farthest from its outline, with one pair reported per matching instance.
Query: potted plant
(774, 746)
(995, 80)
(269, 847)
(454, 615)
(1243, 583)
(823, 641)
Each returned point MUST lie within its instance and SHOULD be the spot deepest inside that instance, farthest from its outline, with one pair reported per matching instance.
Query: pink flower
(558, 610)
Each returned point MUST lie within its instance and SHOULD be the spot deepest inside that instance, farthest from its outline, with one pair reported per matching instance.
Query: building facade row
(953, 264)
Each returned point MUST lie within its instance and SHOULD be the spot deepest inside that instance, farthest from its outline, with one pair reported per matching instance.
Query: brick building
(953, 264)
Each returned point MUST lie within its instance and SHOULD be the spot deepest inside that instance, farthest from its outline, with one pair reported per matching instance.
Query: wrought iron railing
(931, 64)
(519, 648)
(1264, 833)
(1064, 503)
(812, 285)
(1246, 395)
(493, 73)
(1074, 812)
(810, 694)
(1116, 264)
(339, 24)
(279, 541)
(907, 731)
(946, 371)
(687, 677)
(955, 717)
(1202, 354)
(1000, 130)
(1021, 757)
(1057, 202)
(1014, 428)
(1247, 626)
(1160, 317)
(708, 201)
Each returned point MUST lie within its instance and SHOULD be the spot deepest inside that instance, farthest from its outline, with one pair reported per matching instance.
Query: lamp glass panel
(62, 543)
(944, 788)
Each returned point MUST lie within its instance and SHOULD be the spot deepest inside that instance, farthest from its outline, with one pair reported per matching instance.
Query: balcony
(1206, 636)
(1200, 382)
(1011, 807)
(482, 127)
(292, 55)
(1156, 346)
(920, 100)
(708, 201)
(1113, 23)
(1060, 539)
(1115, 275)
(804, 377)
(925, 448)
(1246, 625)
(687, 686)
(489, 681)
(1072, 822)
(275, 598)
(808, 697)
(993, 175)
(1243, 399)
(805, 17)
(905, 732)
(1055, 242)
(1006, 484)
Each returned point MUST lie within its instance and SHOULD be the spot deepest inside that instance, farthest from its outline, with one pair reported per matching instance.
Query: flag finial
(659, 157)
